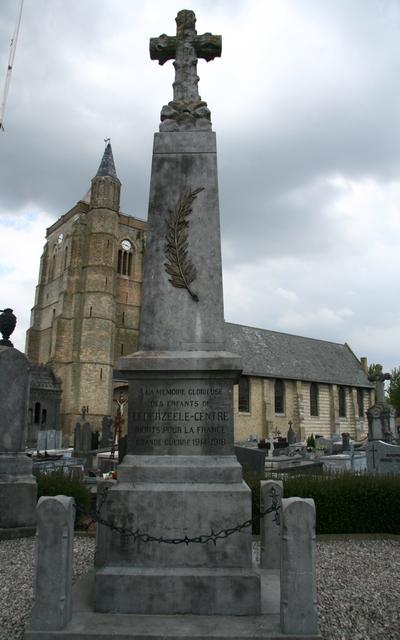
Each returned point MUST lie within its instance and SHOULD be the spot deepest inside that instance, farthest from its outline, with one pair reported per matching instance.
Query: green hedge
(345, 503)
(58, 484)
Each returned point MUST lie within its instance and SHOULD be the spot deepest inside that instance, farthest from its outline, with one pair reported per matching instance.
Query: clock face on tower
(126, 245)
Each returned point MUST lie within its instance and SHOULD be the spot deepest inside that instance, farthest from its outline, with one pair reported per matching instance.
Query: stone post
(270, 531)
(18, 487)
(52, 606)
(298, 591)
(299, 411)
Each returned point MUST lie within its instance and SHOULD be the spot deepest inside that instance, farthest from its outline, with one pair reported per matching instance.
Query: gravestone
(18, 487)
(382, 458)
(381, 416)
(41, 441)
(95, 440)
(51, 439)
(86, 438)
(252, 460)
(345, 441)
(291, 436)
(52, 607)
(106, 431)
(77, 439)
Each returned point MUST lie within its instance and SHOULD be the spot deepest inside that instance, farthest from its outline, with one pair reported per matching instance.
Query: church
(86, 315)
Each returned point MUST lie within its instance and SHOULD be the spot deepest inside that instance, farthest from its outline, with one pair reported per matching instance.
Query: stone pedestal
(381, 422)
(183, 481)
(18, 487)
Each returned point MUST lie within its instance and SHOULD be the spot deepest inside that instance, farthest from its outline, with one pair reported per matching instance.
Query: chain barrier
(213, 536)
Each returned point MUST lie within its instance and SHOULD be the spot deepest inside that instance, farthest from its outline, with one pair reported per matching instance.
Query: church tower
(87, 304)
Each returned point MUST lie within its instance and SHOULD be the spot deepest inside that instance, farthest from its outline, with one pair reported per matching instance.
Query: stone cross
(379, 378)
(185, 49)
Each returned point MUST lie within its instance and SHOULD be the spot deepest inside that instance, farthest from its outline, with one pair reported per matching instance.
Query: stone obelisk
(180, 480)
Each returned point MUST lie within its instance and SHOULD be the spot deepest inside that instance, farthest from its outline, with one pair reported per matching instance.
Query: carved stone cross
(379, 378)
(185, 49)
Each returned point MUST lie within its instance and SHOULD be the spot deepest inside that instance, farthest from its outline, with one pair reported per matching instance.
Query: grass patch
(345, 503)
(58, 484)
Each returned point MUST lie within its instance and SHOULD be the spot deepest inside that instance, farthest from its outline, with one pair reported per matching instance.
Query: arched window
(125, 252)
(360, 403)
(37, 413)
(65, 257)
(44, 416)
(52, 266)
(342, 402)
(244, 394)
(314, 403)
(279, 396)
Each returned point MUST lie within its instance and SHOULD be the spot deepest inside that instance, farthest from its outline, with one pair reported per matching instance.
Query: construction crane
(13, 46)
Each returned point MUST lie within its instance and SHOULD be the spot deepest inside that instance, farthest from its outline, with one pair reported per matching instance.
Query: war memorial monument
(174, 542)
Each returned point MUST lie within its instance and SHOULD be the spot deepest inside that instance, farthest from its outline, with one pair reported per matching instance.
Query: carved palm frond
(179, 265)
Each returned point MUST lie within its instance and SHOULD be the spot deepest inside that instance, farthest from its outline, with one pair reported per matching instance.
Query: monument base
(165, 590)
(86, 623)
(148, 577)
(18, 491)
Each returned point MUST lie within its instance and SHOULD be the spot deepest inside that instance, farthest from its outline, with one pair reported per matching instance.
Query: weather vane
(107, 140)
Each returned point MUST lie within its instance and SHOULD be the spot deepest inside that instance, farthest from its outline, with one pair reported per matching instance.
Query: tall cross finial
(379, 378)
(187, 110)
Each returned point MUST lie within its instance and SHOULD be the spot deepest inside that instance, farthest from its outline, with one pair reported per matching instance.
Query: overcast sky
(305, 101)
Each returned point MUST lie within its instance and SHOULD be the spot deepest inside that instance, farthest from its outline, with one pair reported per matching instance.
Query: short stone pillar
(291, 436)
(52, 608)
(298, 590)
(18, 488)
(270, 525)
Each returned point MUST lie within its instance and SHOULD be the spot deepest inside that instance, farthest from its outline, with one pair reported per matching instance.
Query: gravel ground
(357, 580)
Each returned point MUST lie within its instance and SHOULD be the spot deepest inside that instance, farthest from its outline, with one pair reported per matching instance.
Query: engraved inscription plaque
(181, 417)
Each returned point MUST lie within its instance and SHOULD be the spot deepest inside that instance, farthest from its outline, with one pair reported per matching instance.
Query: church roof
(107, 166)
(271, 354)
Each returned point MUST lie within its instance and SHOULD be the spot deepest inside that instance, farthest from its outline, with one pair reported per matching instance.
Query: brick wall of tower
(84, 310)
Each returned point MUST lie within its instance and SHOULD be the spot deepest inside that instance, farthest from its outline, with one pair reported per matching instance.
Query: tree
(311, 441)
(394, 389)
(372, 370)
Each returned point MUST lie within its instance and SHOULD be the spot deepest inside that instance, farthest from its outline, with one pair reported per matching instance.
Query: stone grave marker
(291, 436)
(77, 439)
(383, 458)
(18, 487)
(51, 439)
(41, 440)
(381, 416)
(106, 431)
(86, 438)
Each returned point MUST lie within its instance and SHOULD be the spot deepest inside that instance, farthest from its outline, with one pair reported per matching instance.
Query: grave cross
(185, 49)
(379, 378)
(373, 451)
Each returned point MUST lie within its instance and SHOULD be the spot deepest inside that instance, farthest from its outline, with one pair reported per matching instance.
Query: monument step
(155, 591)
(86, 623)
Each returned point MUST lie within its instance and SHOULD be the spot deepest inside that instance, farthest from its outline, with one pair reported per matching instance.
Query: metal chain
(213, 536)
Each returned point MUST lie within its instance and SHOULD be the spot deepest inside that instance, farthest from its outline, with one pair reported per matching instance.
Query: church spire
(106, 186)
(107, 166)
